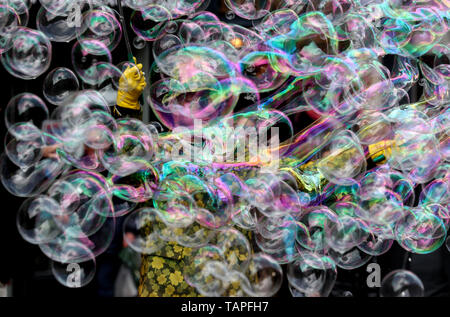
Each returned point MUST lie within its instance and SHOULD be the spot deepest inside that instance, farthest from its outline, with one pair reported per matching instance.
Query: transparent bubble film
(289, 140)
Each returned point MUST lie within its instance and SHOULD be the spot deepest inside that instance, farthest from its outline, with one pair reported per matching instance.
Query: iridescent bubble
(345, 234)
(156, 12)
(401, 283)
(141, 231)
(30, 54)
(265, 276)
(26, 107)
(230, 15)
(343, 158)
(139, 4)
(202, 272)
(437, 191)
(144, 25)
(351, 259)
(78, 249)
(295, 292)
(56, 27)
(9, 21)
(137, 187)
(191, 32)
(65, 193)
(139, 43)
(276, 236)
(235, 247)
(59, 84)
(132, 147)
(35, 220)
(67, 8)
(104, 78)
(376, 245)
(171, 27)
(420, 231)
(249, 9)
(317, 221)
(265, 70)
(312, 274)
(88, 58)
(23, 144)
(22, 9)
(101, 26)
(74, 275)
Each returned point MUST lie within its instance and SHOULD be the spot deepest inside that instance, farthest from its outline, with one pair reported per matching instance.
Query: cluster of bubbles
(311, 201)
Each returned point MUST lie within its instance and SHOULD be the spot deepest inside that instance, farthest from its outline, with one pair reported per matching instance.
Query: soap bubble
(312, 274)
(9, 21)
(265, 276)
(88, 57)
(230, 15)
(59, 84)
(139, 43)
(23, 144)
(141, 231)
(76, 245)
(22, 9)
(24, 108)
(30, 181)
(35, 220)
(30, 54)
(74, 275)
(351, 259)
(102, 26)
(371, 169)
(249, 9)
(56, 27)
(104, 78)
(401, 283)
(144, 25)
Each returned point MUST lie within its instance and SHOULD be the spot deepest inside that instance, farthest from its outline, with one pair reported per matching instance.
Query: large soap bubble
(401, 283)
(30, 55)
(59, 84)
(26, 107)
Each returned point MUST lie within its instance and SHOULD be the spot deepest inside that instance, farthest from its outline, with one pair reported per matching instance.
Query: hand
(50, 151)
(131, 86)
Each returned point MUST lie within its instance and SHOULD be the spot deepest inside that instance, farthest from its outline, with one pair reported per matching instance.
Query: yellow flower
(169, 290)
(157, 263)
(176, 278)
(187, 252)
(236, 284)
(170, 254)
(232, 259)
(177, 248)
(178, 231)
(161, 279)
(143, 293)
(243, 257)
